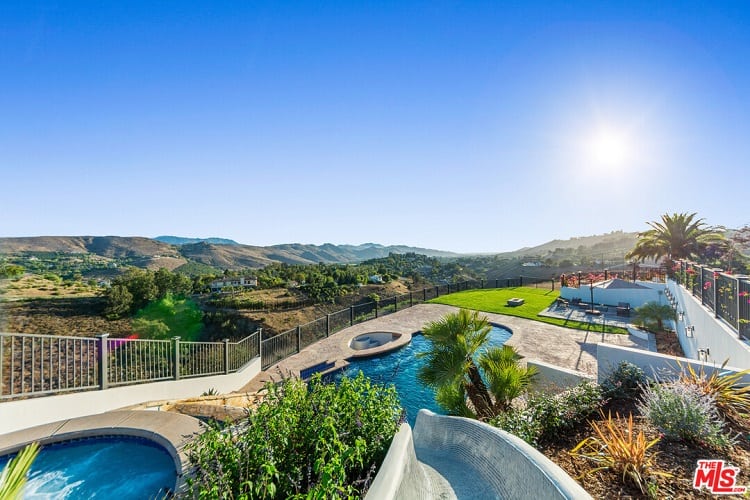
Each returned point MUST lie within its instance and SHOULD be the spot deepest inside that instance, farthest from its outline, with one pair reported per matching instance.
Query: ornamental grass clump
(314, 440)
(729, 393)
(682, 411)
(621, 451)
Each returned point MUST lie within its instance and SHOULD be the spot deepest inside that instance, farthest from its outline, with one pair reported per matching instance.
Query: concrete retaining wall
(15, 415)
(554, 377)
(653, 364)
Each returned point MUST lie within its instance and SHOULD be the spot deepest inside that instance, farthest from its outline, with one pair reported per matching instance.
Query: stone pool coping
(170, 430)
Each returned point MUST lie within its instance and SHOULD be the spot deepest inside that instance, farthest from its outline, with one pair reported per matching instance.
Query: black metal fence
(285, 344)
(728, 296)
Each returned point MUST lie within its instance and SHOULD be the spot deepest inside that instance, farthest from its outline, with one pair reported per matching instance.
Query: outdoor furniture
(562, 303)
(515, 302)
(623, 309)
(575, 302)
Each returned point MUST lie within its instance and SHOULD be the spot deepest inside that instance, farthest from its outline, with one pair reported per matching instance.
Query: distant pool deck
(556, 345)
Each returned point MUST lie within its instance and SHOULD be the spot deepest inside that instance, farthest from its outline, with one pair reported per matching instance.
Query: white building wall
(635, 297)
(710, 333)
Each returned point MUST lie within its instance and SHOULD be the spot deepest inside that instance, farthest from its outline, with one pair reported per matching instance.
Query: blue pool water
(400, 369)
(118, 467)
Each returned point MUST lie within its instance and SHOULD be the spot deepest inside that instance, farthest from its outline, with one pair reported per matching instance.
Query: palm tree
(13, 476)
(460, 367)
(653, 314)
(677, 236)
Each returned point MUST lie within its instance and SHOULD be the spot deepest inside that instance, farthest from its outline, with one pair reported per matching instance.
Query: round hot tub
(370, 340)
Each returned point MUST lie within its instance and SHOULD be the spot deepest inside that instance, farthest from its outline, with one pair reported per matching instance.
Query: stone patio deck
(563, 347)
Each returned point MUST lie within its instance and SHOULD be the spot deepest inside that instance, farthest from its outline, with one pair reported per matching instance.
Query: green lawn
(535, 300)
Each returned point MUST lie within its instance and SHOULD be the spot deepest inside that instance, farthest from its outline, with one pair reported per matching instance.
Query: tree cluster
(136, 288)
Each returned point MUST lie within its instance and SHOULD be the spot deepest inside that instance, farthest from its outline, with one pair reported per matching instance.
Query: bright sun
(608, 148)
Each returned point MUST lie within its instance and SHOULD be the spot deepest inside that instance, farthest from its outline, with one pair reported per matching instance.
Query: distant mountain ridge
(179, 240)
(153, 253)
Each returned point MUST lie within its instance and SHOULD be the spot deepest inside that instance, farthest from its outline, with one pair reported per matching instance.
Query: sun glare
(608, 148)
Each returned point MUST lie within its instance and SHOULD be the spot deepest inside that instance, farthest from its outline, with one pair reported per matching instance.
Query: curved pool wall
(372, 340)
(455, 457)
(171, 431)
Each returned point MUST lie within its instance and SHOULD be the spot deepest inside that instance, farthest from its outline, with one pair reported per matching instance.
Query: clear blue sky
(464, 126)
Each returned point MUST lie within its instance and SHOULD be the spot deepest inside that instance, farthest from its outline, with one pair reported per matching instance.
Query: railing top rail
(38, 335)
(126, 340)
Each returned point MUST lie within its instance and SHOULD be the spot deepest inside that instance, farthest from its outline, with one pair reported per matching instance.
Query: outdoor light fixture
(680, 315)
(690, 330)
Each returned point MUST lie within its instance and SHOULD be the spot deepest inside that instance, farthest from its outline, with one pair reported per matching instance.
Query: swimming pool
(400, 369)
(103, 467)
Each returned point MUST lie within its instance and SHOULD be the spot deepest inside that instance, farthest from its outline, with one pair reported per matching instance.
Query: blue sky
(471, 126)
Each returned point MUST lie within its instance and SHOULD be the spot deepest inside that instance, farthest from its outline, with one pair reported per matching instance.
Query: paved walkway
(563, 347)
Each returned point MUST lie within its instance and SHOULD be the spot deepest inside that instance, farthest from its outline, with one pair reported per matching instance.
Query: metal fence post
(299, 338)
(481, 282)
(376, 308)
(437, 291)
(395, 303)
(520, 281)
(497, 283)
(411, 301)
(103, 355)
(351, 315)
(328, 325)
(176, 357)
(716, 295)
(424, 295)
(226, 356)
(260, 344)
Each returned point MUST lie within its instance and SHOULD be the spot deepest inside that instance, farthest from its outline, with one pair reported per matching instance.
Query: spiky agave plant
(730, 393)
(13, 477)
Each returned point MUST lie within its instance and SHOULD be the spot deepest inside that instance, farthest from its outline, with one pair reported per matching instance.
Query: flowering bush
(682, 411)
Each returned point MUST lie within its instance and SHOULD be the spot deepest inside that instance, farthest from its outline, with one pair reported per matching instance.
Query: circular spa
(370, 340)
(107, 467)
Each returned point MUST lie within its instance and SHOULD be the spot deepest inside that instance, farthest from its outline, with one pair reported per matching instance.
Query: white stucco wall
(16, 415)
(653, 364)
(710, 333)
(634, 297)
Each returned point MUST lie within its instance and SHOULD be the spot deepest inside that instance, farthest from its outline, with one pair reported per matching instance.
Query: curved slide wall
(454, 457)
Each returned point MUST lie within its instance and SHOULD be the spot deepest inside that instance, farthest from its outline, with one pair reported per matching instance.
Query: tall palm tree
(676, 236)
(460, 367)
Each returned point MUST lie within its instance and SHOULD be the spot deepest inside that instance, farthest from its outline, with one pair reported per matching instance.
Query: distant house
(375, 278)
(241, 282)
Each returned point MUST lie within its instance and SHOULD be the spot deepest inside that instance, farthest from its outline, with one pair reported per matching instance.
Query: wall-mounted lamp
(689, 330)
(680, 315)
(703, 354)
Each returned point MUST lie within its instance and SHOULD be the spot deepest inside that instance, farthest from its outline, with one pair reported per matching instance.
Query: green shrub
(546, 415)
(317, 441)
(624, 382)
(682, 411)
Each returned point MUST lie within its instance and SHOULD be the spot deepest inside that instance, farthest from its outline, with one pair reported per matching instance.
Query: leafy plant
(316, 441)
(13, 477)
(624, 382)
(620, 450)
(461, 368)
(682, 411)
(652, 315)
(731, 395)
(547, 415)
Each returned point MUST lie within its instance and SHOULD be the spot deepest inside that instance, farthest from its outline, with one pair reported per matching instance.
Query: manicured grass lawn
(535, 300)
